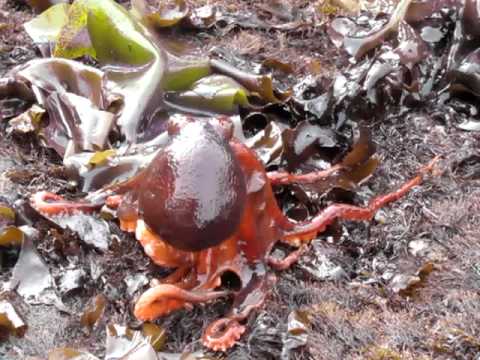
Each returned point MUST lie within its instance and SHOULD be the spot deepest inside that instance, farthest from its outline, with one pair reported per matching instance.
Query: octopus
(205, 208)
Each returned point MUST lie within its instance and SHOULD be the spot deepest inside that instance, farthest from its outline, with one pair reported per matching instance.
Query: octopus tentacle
(180, 274)
(165, 298)
(114, 201)
(160, 252)
(285, 178)
(288, 261)
(52, 204)
(184, 277)
(222, 334)
(305, 231)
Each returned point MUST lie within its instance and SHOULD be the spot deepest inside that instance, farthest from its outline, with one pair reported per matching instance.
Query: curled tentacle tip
(432, 167)
(42, 197)
(144, 313)
(222, 334)
(50, 204)
(147, 312)
(45, 202)
(140, 312)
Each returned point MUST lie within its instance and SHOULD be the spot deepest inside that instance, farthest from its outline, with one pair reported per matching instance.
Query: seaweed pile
(93, 107)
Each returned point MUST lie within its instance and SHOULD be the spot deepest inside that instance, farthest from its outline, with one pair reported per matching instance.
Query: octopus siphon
(205, 207)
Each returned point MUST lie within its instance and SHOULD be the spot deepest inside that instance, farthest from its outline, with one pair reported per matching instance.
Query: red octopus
(205, 206)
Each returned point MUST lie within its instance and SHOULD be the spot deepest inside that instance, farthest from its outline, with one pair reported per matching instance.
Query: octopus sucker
(222, 334)
(205, 207)
(52, 204)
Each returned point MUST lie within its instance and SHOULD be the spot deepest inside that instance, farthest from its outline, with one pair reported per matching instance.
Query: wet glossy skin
(205, 207)
(195, 187)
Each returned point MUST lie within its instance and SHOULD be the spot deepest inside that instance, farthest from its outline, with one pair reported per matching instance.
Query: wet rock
(70, 280)
(31, 276)
(135, 282)
(94, 311)
(123, 343)
(90, 229)
(296, 336)
(10, 320)
(319, 263)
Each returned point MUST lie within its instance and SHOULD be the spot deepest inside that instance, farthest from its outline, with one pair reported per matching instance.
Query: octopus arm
(297, 233)
(223, 333)
(158, 250)
(51, 204)
(288, 261)
(162, 299)
(285, 178)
